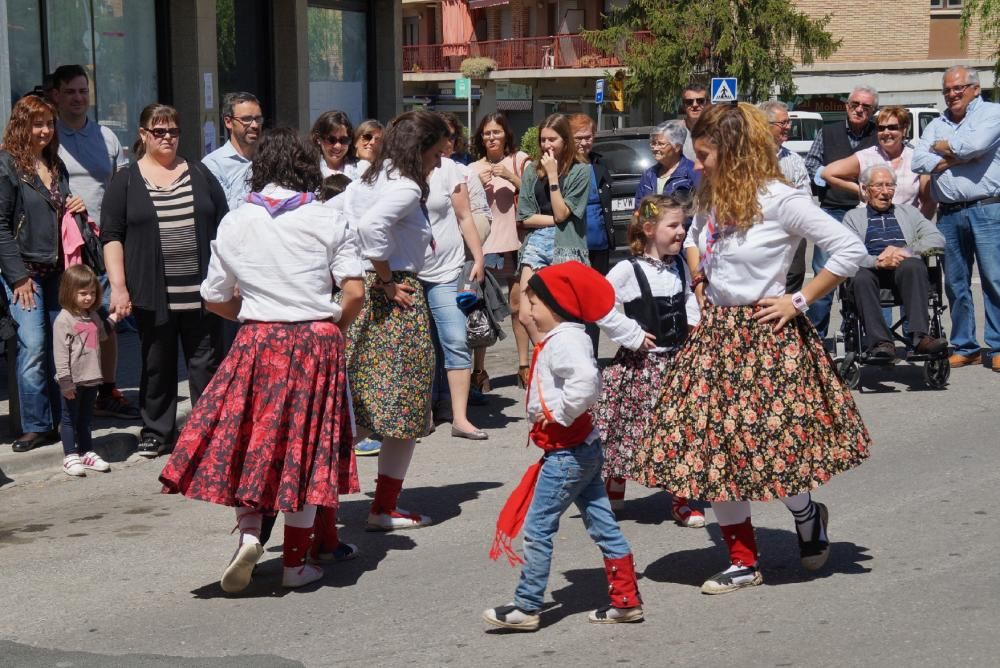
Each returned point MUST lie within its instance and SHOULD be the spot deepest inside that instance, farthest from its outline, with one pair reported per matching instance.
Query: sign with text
(599, 91)
(463, 87)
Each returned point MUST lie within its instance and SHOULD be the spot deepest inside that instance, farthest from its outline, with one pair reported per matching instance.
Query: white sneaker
(93, 462)
(512, 617)
(73, 465)
(612, 615)
(240, 569)
(301, 575)
(396, 520)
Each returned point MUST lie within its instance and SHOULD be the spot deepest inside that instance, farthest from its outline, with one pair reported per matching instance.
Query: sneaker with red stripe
(685, 515)
(395, 520)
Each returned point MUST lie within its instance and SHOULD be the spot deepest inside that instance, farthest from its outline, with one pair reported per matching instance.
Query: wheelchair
(849, 355)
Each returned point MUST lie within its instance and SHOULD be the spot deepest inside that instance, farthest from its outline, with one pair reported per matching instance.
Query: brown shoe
(522, 376)
(958, 360)
(481, 380)
(928, 345)
(995, 362)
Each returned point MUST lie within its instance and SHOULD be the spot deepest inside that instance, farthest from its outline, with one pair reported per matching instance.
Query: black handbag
(92, 251)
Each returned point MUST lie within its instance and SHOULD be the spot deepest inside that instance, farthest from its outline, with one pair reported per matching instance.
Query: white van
(805, 126)
(920, 117)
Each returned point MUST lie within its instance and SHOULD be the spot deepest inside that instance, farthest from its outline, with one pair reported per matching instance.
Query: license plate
(623, 204)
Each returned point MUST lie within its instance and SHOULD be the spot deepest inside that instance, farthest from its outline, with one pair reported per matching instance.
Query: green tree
(987, 14)
(757, 41)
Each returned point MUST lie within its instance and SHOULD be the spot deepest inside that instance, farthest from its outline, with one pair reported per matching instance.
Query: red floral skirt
(751, 414)
(272, 430)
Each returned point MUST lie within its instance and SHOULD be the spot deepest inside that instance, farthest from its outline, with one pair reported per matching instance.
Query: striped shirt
(883, 231)
(174, 206)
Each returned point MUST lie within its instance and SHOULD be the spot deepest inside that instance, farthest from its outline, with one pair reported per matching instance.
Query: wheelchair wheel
(937, 372)
(850, 371)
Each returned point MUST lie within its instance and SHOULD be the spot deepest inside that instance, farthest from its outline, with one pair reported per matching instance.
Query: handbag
(92, 252)
(479, 332)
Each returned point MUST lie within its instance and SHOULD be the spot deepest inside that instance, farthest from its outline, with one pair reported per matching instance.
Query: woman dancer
(754, 410)
(391, 357)
(272, 431)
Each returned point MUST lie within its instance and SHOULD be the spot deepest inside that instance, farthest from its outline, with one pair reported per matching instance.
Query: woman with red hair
(34, 195)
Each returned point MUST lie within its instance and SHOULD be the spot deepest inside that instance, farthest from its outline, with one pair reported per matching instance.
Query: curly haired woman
(754, 410)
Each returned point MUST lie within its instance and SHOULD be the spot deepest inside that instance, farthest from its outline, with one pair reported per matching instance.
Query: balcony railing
(521, 53)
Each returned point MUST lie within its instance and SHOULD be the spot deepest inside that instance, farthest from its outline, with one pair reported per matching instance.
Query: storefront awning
(480, 4)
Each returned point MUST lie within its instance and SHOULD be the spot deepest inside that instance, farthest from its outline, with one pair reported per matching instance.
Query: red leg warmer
(615, 488)
(386, 494)
(742, 543)
(623, 588)
(326, 538)
(297, 544)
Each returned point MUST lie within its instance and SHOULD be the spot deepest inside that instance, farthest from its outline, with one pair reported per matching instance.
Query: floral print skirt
(272, 430)
(630, 388)
(751, 414)
(390, 359)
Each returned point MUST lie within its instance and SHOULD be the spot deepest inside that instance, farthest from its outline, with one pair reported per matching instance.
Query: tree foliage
(757, 41)
(985, 13)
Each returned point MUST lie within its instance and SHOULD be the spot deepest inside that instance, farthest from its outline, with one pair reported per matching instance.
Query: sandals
(481, 380)
(522, 376)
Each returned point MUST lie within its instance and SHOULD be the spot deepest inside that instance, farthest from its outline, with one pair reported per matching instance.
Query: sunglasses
(856, 105)
(891, 127)
(343, 141)
(367, 137)
(691, 101)
(160, 133)
(781, 124)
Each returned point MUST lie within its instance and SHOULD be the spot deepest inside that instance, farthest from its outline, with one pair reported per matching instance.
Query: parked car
(805, 126)
(920, 117)
(627, 155)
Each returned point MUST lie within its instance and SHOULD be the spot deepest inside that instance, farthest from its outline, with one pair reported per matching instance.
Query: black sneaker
(149, 447)
(731, 580)
(814, 553)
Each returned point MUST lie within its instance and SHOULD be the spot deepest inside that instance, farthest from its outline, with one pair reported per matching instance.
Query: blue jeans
(36, 386)
(451, 347)
(567, 476)
(819, 312)
(74, 429)
(973, 232)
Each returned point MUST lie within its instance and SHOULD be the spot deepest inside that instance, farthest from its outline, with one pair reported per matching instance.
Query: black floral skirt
(751, 414)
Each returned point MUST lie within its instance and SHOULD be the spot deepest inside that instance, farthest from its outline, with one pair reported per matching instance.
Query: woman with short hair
(672, 174)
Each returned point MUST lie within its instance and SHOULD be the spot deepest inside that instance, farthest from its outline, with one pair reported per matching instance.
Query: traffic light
(616, 93)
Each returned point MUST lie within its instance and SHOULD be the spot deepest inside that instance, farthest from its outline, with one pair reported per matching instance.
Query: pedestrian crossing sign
(724, 90)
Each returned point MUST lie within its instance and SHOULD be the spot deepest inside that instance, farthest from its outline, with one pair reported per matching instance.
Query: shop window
(338, 62)
(24, 40)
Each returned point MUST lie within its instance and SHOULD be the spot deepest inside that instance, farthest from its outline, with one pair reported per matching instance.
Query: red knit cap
(574, 291)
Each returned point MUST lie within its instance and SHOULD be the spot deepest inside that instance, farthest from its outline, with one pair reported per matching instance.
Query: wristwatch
(799, 302)
(553, 187)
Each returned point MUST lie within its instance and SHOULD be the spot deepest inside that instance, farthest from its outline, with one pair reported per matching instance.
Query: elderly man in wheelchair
(896, 236)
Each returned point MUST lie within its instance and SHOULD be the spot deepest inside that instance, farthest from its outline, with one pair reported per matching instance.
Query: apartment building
(543, 65)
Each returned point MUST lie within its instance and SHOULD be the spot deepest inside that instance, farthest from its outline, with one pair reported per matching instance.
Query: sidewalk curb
(115, 444)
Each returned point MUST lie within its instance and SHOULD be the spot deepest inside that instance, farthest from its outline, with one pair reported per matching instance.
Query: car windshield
(804, 129)
(625, 156)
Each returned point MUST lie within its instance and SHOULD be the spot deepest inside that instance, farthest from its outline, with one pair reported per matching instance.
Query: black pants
(797, 271)
(601, 261)
(909, 283)
(200, 336)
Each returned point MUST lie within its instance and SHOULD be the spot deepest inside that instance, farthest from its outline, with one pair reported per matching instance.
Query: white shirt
(566, 376)
(390, 224)
(746, 266)
(443, 263)
(662, 283)
(793, 167)
(285, 266)
(352, 170)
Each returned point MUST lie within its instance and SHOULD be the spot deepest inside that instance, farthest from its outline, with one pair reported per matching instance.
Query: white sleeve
(801, 217)
(622, 330)
(345, 261)
(690, 301)
(220, 281)
(622, 279)
(581, 389)
(394, 201)
(691, 240)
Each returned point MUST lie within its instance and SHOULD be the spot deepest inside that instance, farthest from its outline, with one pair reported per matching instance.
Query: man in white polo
(92, 154)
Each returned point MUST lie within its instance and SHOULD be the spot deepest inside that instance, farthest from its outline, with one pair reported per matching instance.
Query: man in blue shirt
(961, 151)
(230, 162)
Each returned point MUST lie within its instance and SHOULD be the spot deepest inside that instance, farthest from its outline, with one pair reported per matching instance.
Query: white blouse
(286, 265)
(387, 219)
(745, 266)
(352, 170)
(662, 283)
(443, 263)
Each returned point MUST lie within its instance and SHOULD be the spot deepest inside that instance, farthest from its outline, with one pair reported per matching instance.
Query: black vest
(664, 317)
(836, 145)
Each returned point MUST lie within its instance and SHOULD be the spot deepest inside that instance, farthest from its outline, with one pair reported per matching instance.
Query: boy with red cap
(563, 385)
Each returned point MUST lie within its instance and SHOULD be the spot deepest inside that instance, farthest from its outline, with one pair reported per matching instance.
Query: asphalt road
(106, 571)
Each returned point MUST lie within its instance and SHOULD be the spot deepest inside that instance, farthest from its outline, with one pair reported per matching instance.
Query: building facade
(300, 57)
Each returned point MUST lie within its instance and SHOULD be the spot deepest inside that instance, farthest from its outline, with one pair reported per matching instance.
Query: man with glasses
(837, 140)
(795, 172)
(961, 151)
(92, 154)
(230, 162)
(694, 100)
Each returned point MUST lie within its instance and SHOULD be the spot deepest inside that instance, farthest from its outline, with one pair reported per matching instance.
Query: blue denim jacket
(684, 178)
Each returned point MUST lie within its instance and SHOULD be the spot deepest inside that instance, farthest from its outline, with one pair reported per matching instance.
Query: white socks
(394, 458)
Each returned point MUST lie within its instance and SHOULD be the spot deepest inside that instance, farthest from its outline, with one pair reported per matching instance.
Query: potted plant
(477, 67)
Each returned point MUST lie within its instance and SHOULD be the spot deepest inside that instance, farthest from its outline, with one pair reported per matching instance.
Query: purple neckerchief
(275, 206)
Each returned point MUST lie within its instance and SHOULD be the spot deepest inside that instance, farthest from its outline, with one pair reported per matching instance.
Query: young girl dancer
(754, 410)
(564, 384)
(273, 431)
(76, 336)
(653, 288)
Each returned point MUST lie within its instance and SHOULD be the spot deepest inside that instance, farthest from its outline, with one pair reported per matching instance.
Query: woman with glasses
(367, 138)
(158, 220)
(672, 175)
(891, 126)
(334, 135)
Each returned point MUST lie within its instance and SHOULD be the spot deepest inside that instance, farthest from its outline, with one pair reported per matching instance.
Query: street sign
(724, 90)
(599, 92)
(463, 88)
